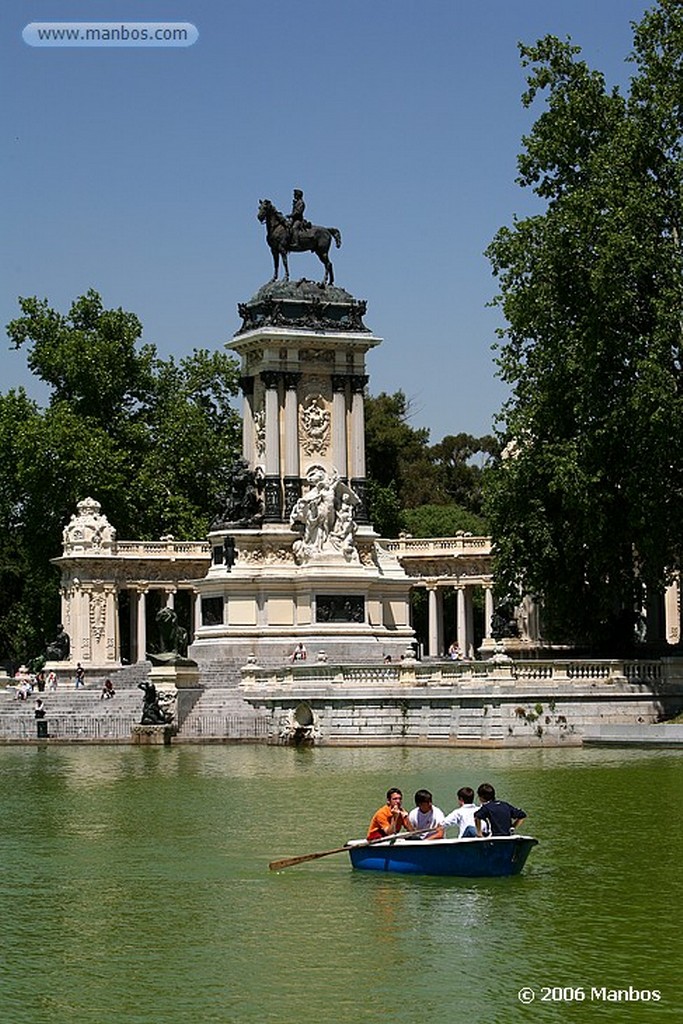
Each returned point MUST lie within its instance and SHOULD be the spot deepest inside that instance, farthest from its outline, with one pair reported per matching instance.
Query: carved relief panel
(315, 420)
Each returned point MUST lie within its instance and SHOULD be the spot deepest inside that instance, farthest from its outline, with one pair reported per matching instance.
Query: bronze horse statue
(279, 238)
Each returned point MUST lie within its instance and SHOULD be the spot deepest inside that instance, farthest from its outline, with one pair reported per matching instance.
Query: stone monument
(174, 678)
(294, 556)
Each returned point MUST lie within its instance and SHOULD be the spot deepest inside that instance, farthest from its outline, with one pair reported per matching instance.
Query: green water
(135, 889)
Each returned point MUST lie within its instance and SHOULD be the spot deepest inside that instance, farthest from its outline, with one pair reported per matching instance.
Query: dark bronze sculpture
(294, 234)
(173, 640)
(242, 503)
(504, 625)
(172, 636)
(151, 712)
(59, 648)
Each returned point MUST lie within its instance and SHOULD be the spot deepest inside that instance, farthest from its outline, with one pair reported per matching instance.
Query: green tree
(442, 521)
(459, 460)
(585, 508)
(89, 358)
(151, 439)
(28, 591)
(406, 474)
(396, 453)
(398, 465)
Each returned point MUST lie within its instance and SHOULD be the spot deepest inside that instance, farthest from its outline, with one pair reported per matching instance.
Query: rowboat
(491, 857)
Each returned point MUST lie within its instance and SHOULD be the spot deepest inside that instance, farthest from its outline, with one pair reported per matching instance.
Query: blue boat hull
(465, 858)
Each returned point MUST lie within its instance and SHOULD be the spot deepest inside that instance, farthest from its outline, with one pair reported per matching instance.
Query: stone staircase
(221, 712)
(81, 716)
(77, 715)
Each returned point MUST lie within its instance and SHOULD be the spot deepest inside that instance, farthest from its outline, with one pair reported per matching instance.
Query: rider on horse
(295, 234)
(297, 221)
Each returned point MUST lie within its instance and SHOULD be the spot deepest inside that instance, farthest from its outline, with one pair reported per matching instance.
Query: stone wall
(481, 704)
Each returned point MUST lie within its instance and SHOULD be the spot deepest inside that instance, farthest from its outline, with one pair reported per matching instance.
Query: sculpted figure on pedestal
(242, 502)
(324, 516)
(59, 648)
(151, 711)
(285, 235)
(173, 641)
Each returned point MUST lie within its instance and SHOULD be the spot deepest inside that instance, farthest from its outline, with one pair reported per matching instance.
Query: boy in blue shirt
(502, 817)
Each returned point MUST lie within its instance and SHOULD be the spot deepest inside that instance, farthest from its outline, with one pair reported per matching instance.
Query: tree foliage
(151, 439)
(406, 473)
(458, 461)
(585, 511)
(442, 521)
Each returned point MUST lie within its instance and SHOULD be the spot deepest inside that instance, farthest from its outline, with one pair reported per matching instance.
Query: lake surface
(135, 889)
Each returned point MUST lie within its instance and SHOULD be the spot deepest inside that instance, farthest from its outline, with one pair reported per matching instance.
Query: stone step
(80, 702)
(221, 712)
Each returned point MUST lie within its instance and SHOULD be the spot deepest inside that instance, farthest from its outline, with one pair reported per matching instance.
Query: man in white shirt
(425, 815)
(463, 815)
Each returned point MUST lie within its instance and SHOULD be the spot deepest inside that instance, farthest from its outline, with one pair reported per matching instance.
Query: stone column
(196, 613)
(273, 492)
(672, 611)
(133, 601)
(77, 622)
(339, 439)
(292, 478)
(357, 442)
(534, 621)
(488, 612)
(142, 624)
(469, 621)
(82, 649)
(461, 619)
(433, 616)
(71, 595)
(248, 427)
(108, 644)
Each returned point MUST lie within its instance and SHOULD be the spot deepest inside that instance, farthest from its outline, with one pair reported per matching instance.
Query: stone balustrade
(457, 673)
(162, 548)
(461, 543)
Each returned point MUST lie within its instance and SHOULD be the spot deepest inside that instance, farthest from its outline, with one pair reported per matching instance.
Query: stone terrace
(221, 713)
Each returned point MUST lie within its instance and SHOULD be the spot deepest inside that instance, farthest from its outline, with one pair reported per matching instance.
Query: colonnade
(92, 616)
(464, 630)
(97, 570)
(138, 599)
(277, 435)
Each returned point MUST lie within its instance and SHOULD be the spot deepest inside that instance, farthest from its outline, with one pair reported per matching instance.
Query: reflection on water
(135, 887)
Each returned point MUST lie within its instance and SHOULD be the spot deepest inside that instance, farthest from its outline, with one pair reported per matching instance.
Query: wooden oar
(288, 862)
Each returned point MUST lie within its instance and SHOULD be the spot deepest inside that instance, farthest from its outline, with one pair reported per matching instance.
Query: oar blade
(288, 862)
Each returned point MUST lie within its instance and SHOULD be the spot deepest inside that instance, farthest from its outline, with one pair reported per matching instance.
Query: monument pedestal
(178, 690)
(267, 603)
(302, 564)
(151, 735)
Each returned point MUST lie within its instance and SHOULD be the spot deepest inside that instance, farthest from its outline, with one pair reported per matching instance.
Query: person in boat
(502, 818)
(463, 815)
(425, 815)
(391, 818)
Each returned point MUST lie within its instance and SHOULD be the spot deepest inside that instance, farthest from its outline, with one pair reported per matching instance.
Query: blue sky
(138, 171)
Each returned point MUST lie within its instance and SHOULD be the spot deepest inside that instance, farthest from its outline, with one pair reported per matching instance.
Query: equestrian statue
(295, 234)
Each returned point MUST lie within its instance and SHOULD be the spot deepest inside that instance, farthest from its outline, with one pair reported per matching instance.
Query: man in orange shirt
(390, 818)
